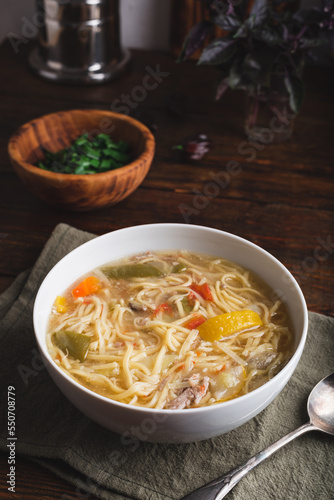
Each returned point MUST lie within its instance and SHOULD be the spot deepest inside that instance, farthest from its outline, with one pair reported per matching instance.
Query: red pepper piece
(194, 322)
(202, 290)
(165, 307)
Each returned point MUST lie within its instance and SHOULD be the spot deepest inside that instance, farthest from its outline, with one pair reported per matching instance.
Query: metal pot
(79, 41)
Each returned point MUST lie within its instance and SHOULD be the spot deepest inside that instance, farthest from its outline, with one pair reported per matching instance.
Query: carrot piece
(88, 286)
(194, 322)
(202, 290)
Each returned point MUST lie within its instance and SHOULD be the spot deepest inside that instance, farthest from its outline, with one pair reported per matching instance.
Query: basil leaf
(295, 87)
(218, 52)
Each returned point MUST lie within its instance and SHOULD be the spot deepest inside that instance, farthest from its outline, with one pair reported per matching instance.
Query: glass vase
(268, 116)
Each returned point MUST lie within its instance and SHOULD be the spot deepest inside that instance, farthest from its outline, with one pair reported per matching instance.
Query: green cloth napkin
(56, 435)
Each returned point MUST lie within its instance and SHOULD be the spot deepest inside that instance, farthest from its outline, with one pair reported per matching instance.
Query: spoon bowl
(320, 407)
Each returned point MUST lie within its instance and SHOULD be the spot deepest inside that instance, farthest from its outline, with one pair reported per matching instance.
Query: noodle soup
(170, 330)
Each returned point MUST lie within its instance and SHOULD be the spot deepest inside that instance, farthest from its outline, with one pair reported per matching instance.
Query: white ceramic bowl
(172, 426)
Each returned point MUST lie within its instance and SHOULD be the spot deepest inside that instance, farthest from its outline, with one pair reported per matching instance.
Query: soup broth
(170, 330)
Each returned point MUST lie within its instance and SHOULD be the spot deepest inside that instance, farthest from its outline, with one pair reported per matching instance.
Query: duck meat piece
(189, 395)
(182, 401)
(137, 306)
(163, 383)
(201, 390)
(193, 380)
(143, 256)
(142, 321)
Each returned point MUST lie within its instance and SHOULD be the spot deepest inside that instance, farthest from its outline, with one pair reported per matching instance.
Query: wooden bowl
(80, 192)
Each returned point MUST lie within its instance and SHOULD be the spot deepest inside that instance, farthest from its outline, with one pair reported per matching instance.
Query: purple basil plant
(263, 43)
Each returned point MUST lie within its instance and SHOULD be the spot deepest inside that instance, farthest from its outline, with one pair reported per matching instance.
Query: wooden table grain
(279, 196)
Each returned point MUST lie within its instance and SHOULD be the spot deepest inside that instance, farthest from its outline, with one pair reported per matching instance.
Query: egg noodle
(145, 346)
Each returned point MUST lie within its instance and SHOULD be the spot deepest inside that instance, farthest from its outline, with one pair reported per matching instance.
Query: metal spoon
(320, 407)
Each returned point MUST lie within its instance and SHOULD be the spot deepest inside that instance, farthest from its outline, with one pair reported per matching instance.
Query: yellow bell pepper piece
(61, 304)
(227, 324)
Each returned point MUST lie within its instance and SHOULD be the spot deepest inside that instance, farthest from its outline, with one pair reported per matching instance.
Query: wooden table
(281, 199)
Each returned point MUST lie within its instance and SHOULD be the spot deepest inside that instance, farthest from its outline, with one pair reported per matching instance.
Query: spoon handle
(218, 488)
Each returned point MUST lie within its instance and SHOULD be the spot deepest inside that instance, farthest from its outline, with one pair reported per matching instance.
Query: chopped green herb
(87, 156)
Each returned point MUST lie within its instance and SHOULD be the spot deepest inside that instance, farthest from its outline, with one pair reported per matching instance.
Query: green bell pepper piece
(75, 344)
(129, 271)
